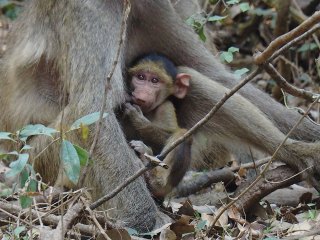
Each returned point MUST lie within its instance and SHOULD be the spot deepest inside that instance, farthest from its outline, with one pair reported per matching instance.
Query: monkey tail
(181, 158)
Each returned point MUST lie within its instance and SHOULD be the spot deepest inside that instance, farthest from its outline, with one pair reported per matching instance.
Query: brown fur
(157, 68)
(239, 123)
(160, 181)
(159, 123)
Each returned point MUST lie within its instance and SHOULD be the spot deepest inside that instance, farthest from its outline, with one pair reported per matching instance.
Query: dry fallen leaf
(242, 172)
(235, 215)
(182, 226)
(254, 229)
(222, 221)
(186, 209)
(115, 234)
(167, 234)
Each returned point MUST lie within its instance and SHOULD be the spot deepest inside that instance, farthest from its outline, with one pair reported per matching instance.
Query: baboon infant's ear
(182, 84)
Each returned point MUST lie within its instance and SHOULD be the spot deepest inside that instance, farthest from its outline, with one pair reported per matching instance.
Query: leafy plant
(72, 156)
(10, 8)
(228, 55)
(15, 233)
(244, 7)
(238, 73)
(70, 161)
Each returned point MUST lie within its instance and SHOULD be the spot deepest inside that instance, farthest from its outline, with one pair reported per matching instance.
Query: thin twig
(55, 206)
(282, 40)
(43, 150)
(12, 210)
(270, 69)
(310, 233)
(118, 189)
(293, 42)
(6, 212)
(153, 162)
(205, 179)
(37, 211)
(266, 167)
(65, 73)
(94, 219)
(254, 164)
(66, 221)
(289, 178)
(277, 76)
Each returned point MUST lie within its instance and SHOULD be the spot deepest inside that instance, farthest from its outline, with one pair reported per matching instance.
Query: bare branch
(154, 162)
(94, 219)
(261, 175)
(64, 224)
(282, 40)
(270, 69)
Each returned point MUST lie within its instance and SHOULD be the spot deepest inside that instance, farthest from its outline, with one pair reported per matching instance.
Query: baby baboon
(152, 118)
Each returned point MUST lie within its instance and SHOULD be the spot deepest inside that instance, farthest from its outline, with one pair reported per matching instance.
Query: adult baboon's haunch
(81, 36)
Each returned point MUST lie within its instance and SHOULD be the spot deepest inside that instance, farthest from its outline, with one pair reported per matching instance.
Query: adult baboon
(69, 46)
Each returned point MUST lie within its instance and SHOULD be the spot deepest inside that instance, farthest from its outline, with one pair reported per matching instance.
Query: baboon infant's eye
(140, 76)
(154, 80)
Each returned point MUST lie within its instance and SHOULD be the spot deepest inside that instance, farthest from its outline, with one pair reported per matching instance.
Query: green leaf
(5, 191)
(3, 155)
(26, 147)
(70, 160)
(312, 214)
(307, 47)
(10, 9)
(18, 165)
(31, 170)
(238, 73)
(201, 34)
(82, 154)
(87, 120)
(201, 224)
(232, 2)
(3, 3)
(233, 49)
(305, 78)
(19, 230)
(14, 153)
(226, 56)
(84, 131)
(24, 176)
(5, 136)
(190, 21)
(6, 237)
(216, 18)
(33, 185)
(263, 12)
(311, 205)
(25, 201)
(244, 6)
(37, 129)
(132, 232)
